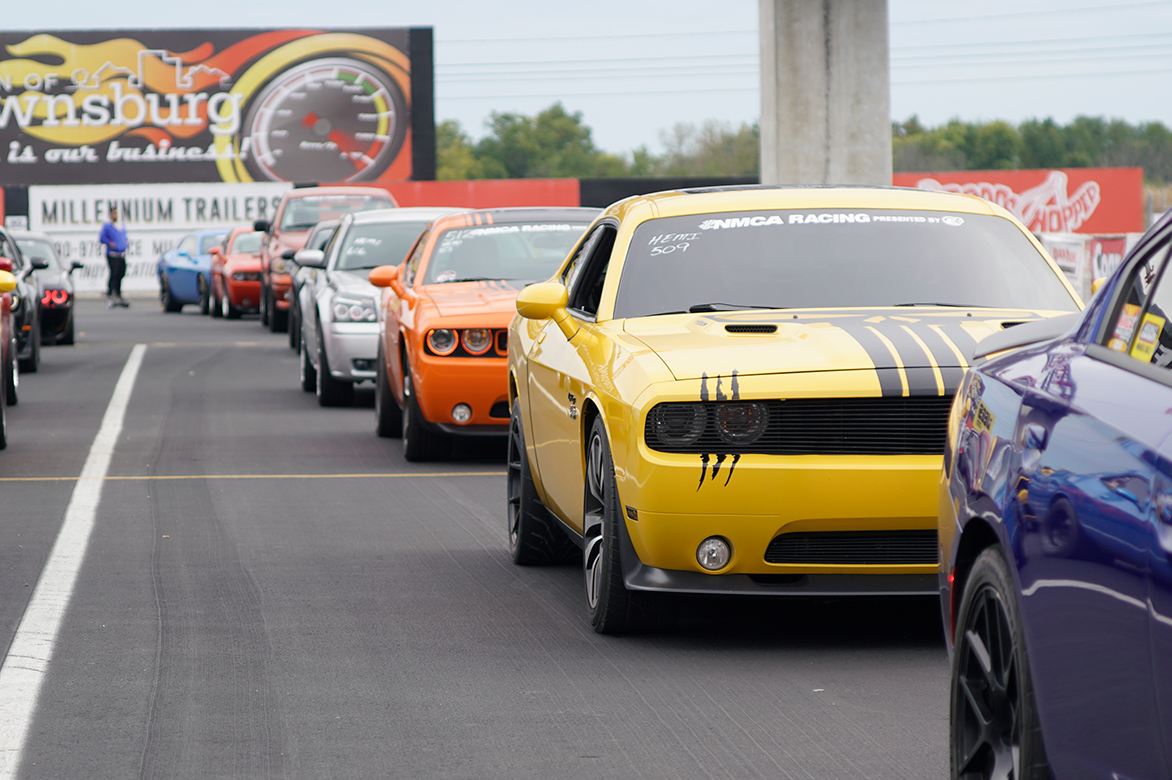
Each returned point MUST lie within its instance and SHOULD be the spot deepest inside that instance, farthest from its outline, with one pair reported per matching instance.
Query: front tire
(308, 373)
(330, 391)
(264, 306)
(30, 364)
(419, 444)
(388, 418)
(167, 301)
(217, 308)
(278, 320)
(995, 732)
(534, 540)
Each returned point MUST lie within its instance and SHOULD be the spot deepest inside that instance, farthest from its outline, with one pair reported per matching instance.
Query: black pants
(117, 263)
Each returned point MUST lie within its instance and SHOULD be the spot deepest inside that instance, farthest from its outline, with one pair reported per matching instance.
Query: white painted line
(28, 659)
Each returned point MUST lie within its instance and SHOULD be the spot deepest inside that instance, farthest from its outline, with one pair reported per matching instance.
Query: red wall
(486, 193)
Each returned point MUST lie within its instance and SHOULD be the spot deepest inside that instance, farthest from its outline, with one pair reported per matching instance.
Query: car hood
(456, 298)
(354, 282)
(52, 279)
(906, 341)
(245, 261)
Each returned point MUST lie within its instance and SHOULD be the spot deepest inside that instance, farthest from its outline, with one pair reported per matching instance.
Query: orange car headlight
(477, 340)
(442, 341)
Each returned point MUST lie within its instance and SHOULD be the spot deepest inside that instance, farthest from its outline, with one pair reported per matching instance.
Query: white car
(339, 308)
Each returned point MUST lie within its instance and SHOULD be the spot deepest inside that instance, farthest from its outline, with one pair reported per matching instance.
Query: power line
(1065, 11)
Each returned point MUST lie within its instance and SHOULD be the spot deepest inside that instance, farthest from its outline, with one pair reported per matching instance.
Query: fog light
(713, 553)
(462, 413)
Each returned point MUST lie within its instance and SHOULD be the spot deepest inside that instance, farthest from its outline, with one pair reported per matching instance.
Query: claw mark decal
(706, 458)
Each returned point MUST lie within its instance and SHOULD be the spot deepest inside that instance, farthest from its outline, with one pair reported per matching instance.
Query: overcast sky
(635, 68)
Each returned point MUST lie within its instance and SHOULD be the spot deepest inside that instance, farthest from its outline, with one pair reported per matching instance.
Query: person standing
(113, 238)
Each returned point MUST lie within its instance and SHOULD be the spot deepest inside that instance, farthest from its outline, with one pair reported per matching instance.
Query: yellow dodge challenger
(745, 390)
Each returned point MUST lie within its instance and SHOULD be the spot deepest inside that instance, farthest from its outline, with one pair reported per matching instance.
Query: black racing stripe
(921, 380)
(961, 338)
(952, 379)
(909, 349)
(935, 342)
(885, 367)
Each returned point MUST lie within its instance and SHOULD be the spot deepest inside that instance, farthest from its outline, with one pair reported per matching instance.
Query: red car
(7, 347)
(236, 273)
(299, 210)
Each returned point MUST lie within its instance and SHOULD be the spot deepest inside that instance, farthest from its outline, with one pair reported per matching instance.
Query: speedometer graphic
(336, 119)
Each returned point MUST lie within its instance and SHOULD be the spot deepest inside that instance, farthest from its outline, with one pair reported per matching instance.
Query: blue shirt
(113, 238)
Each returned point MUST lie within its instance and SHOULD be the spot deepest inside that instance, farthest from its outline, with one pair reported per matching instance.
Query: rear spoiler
(1027, 333)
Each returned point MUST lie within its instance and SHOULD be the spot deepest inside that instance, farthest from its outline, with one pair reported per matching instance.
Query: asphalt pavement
(271, 591)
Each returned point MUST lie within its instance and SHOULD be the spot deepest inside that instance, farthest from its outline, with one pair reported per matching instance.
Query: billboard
(1068, 200)
(288, 105)
(155, 216)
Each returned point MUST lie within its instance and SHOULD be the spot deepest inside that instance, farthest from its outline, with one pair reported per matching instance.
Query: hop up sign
(216, 106)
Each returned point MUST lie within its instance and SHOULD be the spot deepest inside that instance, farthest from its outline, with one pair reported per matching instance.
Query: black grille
(855, 547)
(751, 328)
(812, 426)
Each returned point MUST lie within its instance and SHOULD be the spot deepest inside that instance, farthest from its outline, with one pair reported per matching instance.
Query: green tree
(554, 143)
(994, 145)
(455, 156)
(1043, 144)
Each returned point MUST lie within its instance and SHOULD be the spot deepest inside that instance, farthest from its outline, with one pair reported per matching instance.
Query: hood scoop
(750, 328)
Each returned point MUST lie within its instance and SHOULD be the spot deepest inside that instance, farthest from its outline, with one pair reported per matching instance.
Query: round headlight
(713, 553)
(280, 265)
(741, 422)
(678, 425)
(442, 341)
(477, 340)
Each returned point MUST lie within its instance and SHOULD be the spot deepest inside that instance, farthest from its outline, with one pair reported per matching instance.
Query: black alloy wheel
(534, 539)
(612, 608)
(388, 418)
(167, 301)
(995, 731)
(205, 298)
(419, 444)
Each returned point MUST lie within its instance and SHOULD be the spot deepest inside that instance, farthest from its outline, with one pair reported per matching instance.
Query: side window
(7, 249)
(1141, 326)
(188, 245)
(412, 266)
(570, 275)
(586, 292)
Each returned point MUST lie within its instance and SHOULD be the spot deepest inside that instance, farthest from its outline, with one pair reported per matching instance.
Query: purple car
(1056, 536)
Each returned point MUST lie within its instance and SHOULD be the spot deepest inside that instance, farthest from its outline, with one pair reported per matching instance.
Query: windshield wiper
(696, 308)
(933, 303)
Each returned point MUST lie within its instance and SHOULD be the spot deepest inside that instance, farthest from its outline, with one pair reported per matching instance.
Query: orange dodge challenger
(442, 362)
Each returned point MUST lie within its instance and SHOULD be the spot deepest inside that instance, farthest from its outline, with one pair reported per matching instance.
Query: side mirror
(388, 276)
(288, 254)
(5, 265)
(38, 263)
(76, 265)
(261, 226)
(310, 258)
(214, 250)
(7, 281)
(1096, 284)
(547, 301)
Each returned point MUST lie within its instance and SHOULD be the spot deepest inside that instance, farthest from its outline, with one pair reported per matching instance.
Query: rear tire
(330, 391)
(217, 309)
(204, 296)
(294, 326)
(994, 729)
(419, 444)
(264, 305)
(388, 418)
(66, 336)
(534, 540)
(11, 375)
(30, 364)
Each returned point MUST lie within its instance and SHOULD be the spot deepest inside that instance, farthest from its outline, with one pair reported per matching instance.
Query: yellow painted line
(156, 477)
(931, 359)
(895, 356)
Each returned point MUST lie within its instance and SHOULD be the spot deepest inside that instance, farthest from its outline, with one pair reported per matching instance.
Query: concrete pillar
(825, 92)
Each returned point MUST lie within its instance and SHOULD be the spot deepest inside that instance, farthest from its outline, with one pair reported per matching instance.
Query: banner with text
(155, 216)
(1070, 200)
(210, 105)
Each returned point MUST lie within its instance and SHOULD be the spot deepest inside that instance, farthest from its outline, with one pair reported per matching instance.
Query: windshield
(526, 251)
(207, 242)
(247, 242)
(304, 213)
(372, 245)
(320, 238)
(39, 247)
(834, 258)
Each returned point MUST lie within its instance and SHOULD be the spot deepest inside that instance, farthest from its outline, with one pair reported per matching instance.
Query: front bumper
(281, 284)
(346, 342)
(480, 382)
(243, 295)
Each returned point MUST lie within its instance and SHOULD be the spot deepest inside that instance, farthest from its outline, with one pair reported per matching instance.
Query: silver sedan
(339, 308)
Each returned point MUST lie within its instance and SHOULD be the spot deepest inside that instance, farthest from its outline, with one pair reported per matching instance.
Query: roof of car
(760, 197)
(303, 192)
(525, 214)
(407, 214)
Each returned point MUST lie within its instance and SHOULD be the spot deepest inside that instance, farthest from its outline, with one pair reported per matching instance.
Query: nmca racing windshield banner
(315, 106)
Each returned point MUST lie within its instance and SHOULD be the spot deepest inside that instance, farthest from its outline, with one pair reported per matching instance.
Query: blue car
(1056, 536)
(185, 271)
